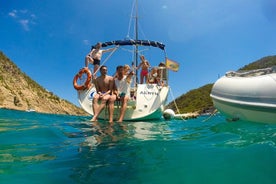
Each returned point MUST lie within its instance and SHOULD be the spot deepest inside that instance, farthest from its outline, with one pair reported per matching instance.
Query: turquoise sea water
(41, 148)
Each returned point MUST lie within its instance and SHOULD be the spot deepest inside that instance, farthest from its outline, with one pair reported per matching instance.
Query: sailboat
(147, 100)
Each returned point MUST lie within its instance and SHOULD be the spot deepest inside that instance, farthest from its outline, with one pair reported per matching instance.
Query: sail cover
(135, 42)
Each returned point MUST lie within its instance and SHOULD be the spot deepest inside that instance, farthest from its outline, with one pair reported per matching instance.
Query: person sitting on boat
(95, 55)
(122, 89)
(162, 73)
(153, 76)
(126, 69)
(145, 69)
(104, 85)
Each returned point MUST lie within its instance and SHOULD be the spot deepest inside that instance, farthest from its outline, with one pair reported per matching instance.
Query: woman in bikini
(145, 69)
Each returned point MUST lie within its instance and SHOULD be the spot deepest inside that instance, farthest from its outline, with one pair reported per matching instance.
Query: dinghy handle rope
(215, 111)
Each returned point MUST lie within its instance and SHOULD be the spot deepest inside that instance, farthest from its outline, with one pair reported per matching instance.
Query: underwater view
(45, 148)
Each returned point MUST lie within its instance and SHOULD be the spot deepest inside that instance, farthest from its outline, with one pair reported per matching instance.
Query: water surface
(41, 148)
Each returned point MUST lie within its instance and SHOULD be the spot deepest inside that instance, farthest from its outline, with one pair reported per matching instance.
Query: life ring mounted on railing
(87, 83)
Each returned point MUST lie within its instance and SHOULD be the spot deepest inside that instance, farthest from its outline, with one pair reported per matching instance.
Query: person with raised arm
(122, 89)
(95, 55)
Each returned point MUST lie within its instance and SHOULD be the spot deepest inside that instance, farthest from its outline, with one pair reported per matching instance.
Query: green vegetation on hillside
(265, 62)
(195, 100)
(199, 100)
(9, 68)
(20, 92)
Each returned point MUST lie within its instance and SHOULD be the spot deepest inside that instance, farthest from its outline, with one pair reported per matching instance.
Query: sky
(48, 40)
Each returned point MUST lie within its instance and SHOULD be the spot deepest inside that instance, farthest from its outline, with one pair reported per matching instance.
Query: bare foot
(93, 120)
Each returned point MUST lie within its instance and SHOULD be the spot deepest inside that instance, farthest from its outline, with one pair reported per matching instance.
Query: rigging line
(130, 19)
(214, 113)
(177, 109)
(142, 32)
(106, 59)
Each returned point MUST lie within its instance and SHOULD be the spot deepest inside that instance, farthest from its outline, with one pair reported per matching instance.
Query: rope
(215, 111)
(177, 109)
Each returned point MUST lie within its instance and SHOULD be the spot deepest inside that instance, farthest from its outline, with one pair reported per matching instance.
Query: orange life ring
(86, 84)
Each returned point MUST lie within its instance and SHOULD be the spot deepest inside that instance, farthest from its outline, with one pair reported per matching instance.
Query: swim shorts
(96, 62)
(144, 72)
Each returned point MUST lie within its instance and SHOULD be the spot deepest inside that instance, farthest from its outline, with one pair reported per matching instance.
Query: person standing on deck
(95, 55)
(145, 69)
(104, 85)
(122, 89)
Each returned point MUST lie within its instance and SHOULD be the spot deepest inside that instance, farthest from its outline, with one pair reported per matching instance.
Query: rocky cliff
(20, 92)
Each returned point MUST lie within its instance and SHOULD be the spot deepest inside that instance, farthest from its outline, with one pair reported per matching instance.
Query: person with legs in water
(104, 85)
(122, 90)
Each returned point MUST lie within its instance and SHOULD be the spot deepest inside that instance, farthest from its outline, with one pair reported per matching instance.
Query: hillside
(199, 100)
(264, 62)
(20, 92)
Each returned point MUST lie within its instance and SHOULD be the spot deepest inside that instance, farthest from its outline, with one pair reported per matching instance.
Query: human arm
(147, 63)
(109, 50)
(129, 76)
(139, 66)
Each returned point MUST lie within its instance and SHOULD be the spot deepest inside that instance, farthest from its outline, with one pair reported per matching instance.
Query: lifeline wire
(176, 104)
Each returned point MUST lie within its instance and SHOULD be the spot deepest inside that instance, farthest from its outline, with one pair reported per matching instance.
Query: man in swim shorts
(104, 85)
(145, 69)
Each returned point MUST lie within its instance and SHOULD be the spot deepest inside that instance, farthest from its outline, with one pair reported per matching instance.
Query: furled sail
(134, 42)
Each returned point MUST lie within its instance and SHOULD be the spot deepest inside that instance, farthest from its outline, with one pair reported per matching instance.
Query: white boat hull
(251, 98)
(149, 104)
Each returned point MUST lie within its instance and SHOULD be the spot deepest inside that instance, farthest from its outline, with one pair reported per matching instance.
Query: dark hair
(119, 67)
(103, 66)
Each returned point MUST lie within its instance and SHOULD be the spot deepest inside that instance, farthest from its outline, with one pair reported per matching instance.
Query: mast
(136, 38)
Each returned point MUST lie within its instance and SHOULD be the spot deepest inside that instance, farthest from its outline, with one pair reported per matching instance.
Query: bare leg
(111, 107)
(95, 106)
(88, 60)
(123, 109)
(95, 70)
(98, 108)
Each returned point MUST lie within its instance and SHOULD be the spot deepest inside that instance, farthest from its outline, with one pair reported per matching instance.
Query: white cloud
(13, 13)
(24, 18)
(25, 24)
(86, 42)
